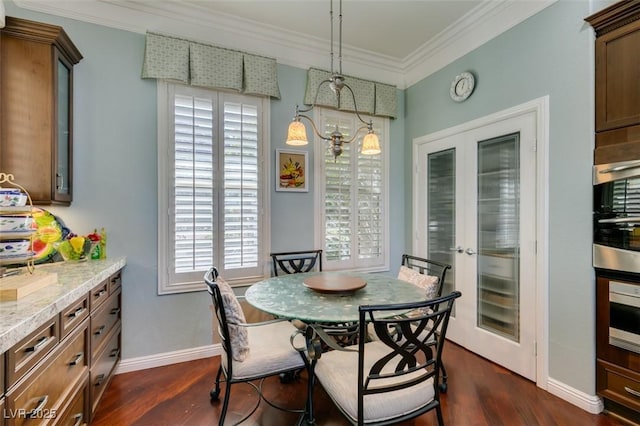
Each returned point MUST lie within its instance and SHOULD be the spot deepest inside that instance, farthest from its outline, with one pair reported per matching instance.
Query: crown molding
(480, 25)
(471, 31)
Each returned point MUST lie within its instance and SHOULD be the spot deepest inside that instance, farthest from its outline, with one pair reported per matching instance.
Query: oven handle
(620, 168)
(624, 299)
(634, 219)
(603, 173)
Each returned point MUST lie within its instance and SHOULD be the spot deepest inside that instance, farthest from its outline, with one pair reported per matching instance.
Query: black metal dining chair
(295, 262)
(387, 381)
(249, 351)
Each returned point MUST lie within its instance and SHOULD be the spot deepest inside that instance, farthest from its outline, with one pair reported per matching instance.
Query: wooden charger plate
(334, 283)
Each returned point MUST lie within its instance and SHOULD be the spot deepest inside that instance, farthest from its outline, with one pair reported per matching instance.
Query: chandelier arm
(355, 134)
(315, 99)
(313, 126)
(355, 107)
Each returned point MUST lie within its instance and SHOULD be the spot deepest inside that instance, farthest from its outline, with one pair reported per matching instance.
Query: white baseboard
(167, 358)
(591, 403)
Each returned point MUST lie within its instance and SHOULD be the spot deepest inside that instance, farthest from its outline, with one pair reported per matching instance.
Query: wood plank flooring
(480, 394)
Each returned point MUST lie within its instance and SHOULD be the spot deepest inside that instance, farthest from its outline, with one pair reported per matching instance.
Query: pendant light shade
(370, 144)
(297, 134)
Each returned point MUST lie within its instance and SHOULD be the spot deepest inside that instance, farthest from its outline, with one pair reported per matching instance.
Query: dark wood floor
(480, 393)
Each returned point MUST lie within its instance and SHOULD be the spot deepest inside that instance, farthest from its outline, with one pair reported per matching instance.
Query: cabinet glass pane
(64, 86)
(441, 211)
(498, 236)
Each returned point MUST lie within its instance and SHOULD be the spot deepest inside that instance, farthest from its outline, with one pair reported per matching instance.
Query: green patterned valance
(370, 97)
(205, 65)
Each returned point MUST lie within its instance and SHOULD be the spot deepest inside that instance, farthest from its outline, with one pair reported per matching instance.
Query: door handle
(470, 252)
(457, 249)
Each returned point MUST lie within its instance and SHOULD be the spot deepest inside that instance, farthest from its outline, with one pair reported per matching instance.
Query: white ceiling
(397, 42)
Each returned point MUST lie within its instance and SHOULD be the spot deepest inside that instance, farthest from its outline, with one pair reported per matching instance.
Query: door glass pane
(63, 102)
(498, 236)
(441, 211)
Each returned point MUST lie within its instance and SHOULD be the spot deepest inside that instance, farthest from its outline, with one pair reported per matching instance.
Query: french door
(475, 209)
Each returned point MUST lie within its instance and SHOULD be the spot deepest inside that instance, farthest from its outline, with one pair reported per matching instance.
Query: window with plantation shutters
(352, 196)
(210, 191)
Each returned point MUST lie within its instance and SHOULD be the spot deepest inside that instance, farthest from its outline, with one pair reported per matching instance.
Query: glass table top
(286, 296)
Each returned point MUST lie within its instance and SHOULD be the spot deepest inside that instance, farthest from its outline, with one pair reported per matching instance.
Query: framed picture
(291, 174)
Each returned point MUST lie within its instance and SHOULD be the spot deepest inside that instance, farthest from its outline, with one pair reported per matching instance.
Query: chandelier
(297, 134)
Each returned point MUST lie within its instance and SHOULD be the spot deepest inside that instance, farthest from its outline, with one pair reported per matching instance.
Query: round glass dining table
(288, 296)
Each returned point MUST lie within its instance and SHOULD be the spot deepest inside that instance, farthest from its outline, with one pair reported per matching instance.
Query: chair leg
(443, 376)
(439, 414)
(225, 404)
(215, 392)
(290, 376)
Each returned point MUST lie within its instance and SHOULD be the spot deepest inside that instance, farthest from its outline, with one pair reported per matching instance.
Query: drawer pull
(100, 293)
(41, 342)
(115, 311)
(77, 359)
(632, 392)
(114, 353)
(99, 330)
(36, 411)
(99, 380)
(78, 418)
(77, 313)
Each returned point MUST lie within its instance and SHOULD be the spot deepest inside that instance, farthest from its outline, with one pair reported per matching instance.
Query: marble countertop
(21, 317)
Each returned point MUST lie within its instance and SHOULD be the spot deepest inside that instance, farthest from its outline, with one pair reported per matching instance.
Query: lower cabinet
(43, 393)
(57, 375)
(105, 343)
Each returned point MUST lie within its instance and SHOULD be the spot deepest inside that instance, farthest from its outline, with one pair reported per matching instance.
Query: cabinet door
(618, 78)
(62, 145)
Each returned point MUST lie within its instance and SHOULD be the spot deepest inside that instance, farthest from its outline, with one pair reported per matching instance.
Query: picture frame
(291, 171)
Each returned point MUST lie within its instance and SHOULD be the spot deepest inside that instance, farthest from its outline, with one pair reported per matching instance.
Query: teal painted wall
(115, 182)
(549, 54)
(116, 158)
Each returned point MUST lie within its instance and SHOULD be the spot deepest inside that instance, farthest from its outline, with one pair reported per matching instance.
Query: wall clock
(462, 86)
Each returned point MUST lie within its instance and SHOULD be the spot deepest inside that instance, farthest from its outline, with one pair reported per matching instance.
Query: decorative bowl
(16, 223)
(69, 254)
(12, 198)
(11, 248)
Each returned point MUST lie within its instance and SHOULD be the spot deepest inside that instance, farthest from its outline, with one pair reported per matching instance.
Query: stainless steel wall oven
(616, 216)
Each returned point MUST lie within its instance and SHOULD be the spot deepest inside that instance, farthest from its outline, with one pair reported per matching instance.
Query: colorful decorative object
(292, 171)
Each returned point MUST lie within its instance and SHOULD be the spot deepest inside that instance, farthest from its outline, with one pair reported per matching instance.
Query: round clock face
(462, 86)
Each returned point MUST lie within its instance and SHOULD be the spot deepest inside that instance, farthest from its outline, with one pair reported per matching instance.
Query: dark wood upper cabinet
(36, 108)
(617, 82)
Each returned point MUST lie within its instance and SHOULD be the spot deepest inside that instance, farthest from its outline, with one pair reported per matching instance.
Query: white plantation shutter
(209, 188)
(241, 198)
(352, 194)
(194, 186)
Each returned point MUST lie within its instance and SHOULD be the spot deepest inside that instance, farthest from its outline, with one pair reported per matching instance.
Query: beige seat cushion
(233, 311)
(337, 371)
(271, 351)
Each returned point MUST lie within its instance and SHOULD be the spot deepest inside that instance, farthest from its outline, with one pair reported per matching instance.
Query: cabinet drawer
(76, 414)
(99, 294)
(73, 315)
(42, 394)
(102, 321)
(30, 350)
(622, 389)
(115, 282)
(103, 367)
